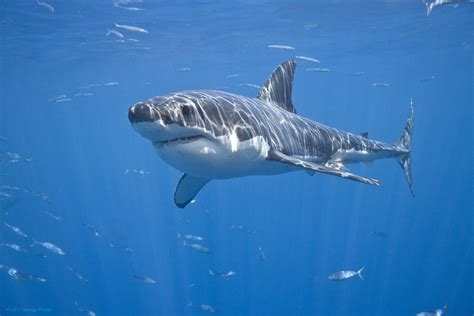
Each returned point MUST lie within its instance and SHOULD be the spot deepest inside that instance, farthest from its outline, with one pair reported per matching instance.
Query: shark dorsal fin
(277, 88)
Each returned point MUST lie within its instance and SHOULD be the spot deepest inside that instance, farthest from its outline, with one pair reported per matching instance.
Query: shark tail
(429, 8)
(404, 145)
(359, 273)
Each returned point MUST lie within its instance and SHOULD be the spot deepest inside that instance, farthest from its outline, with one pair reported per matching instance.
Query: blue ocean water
(417, 251)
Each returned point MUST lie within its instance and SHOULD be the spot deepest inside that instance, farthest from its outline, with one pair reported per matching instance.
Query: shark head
(168, 119)
(202, 132)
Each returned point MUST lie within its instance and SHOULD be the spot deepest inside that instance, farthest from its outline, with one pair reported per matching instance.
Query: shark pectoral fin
(275, 155)
(187, 188)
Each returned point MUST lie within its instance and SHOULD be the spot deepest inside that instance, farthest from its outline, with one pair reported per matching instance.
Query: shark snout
(142, 112)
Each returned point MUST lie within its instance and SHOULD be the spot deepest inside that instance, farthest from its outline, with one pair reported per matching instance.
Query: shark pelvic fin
(187, 188)
(277, 88)
(275, 155)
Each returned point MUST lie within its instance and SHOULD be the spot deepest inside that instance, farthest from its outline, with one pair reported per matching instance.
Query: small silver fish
(426, 79)
(127, 249)
(50, 246)
(83, 310)
(112, 83)
(83, 94)
(17, 275)
(5, 195)
(243, 229)
(16, 230)
(261, 254)
(144, 279)
(310, 59)
(16, 157)
(128, 1)
(114, 32)
(184, 69)
(198, 248)
(14, 247)
(380, 84)
(94, 231)
(439, 3)
(250, 85)
(45, 6)
(93, 85)
(63, 100)
(281, 47)
(78, 275)
(139, 172)
(311, 26)
(54, 216)
(344, 275)
(208, 308)
(40, 195)
(225, 274)
(232, 76)
(62, 96)
(10, 188)
(131, 28)
(119, 5)
(437, 312)
(318, 69)
(190, 237)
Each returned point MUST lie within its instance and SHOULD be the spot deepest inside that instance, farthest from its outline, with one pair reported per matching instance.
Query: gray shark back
(224, 114)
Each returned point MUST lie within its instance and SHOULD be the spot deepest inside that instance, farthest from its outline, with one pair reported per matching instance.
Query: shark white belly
(217, 135)
(221, 159)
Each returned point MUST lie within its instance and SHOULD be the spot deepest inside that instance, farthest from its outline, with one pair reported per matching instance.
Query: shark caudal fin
(404, 145)
(429, 8)
(359, 273)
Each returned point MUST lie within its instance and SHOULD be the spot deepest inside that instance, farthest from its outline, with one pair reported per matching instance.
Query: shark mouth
(178, 141)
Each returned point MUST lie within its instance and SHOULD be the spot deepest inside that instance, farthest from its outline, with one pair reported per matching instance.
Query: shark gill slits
(166, 118)
(243, 133)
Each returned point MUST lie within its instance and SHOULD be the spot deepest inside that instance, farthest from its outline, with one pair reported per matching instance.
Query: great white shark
(210, 134)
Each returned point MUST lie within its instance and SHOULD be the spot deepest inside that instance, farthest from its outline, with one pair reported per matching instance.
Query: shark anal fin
(187, 188)
(277, 88)
(275, 155)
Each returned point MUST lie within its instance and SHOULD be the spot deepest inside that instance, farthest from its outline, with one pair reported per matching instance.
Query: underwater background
(74, 173)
